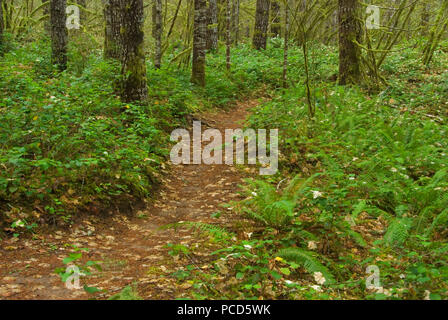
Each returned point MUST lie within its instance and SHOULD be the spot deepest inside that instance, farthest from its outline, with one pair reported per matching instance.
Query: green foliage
(85, 269)
(362, 183)
(397, 231)
(308, 260)
(267, 205)
(127, 293)
(69, 144)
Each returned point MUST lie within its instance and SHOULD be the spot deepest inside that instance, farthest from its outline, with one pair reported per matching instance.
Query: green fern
(271, 207)
(441, 219)
(308, 260)
(397, 232)
(357, 237)
(213, 230)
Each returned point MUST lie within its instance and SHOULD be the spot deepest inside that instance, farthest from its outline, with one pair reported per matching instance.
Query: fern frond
(441, 219)
(397, 232)
(308, 260)
(213, 230)
(357, 237)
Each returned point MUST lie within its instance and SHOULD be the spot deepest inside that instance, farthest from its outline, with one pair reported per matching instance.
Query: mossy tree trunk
(46, 19)
(349, 33)
(59, 34)
(285, 48)
(228, 35)
(112, 36)
(82, 13)
(2, 26)
(199, 42)
(236, 21)
(134, 84)
(157, 31)
(425, 16)
(261, 24)
(275, 19)
(212, 29)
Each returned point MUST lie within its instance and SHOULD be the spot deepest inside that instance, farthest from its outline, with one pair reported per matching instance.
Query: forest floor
(132, 250)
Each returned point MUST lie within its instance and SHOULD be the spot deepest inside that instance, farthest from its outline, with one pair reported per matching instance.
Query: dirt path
(131, 249)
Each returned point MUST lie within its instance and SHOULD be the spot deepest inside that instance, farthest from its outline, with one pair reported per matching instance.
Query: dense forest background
(90, 91)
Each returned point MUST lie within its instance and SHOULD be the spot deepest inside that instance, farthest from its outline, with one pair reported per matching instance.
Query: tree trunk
(285, 49)
(46, 20)
(349, 32)
(112, 37)
(228, 35)
(1, 26)
(157, 31)
(199, 42)
(275, 19)
(425, 16)
(212, 30)
(134, 85)
(261, 24)
(59, 34)
(237, 22)
(82, 13)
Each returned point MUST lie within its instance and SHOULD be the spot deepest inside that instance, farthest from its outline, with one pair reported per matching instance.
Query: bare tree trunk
(212, 30)
(199, 42)
(228, 35)
(157, 31)
(59, 34)
(349, 32)
(134, 85)
(275, 19)
(261, 24)
(285, 49)
(112, 37)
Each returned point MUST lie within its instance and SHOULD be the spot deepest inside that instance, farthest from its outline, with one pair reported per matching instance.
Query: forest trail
(132, 250)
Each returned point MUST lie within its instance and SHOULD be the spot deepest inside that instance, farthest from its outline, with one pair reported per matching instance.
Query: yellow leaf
(279, 259)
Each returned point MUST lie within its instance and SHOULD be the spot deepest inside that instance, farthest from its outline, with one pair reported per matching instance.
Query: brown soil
(132, 249)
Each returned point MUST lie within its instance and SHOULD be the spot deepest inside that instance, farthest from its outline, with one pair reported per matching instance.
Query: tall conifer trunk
(349, 32)
(46, 14)
(212, 29)
(199, 42)
(261, 24)
(112, 37)
(134, 82)
(59, 33)
(157, 31)
(2, 26)
(275, 19)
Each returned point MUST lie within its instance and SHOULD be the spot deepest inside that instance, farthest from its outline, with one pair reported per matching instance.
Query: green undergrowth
(67, 143)
(362, 186)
